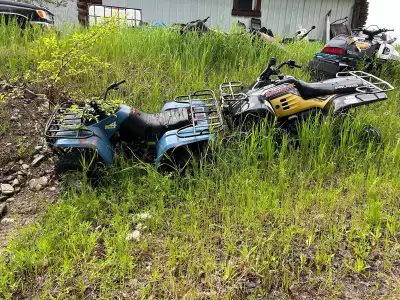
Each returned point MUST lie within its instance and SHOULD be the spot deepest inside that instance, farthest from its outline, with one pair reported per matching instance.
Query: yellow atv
(290, 100)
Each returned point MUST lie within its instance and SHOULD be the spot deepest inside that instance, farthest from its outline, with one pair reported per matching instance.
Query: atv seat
(152, 126)
(328, 87)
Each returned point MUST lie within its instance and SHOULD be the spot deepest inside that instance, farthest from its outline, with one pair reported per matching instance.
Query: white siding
(282, 16)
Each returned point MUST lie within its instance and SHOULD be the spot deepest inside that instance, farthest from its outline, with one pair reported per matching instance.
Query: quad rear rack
(372, 83)
(66, 122)
(205, 114)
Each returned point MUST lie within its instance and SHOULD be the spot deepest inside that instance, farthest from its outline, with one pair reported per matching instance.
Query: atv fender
(98, 142)
(256, 104)
(344, 103)
(171, 140)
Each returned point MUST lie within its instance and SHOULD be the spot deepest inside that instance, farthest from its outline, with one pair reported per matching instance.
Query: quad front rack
(67, 122)
(206, 115)
(231, 91)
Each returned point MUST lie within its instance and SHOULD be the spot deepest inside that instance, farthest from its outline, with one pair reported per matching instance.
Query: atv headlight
(44, 15)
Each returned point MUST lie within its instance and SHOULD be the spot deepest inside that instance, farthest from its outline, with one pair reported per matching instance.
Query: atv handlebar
(113, 86)
(372, 33)
(272, 70)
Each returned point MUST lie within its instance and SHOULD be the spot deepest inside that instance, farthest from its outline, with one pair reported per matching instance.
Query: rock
(7, 221)
(15, 182)
(21, 173)
(53, 189)
(28, 94)
(9, 200)
(37, 160)
(15, 168)
(8, 144)
(25, 166)
(38, 184)
(14, 118)
(7, 189)
(3, 198)
(21, 179)
(38, 148)
(10, 178)
(17, 189)
(3, 209)
(21, 162)
(133, 235)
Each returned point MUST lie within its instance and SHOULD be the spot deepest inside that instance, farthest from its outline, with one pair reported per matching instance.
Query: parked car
(26, 15)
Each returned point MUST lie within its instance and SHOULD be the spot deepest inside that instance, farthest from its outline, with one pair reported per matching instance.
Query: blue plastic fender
(97, 142)
(171, 140)
(102, 132)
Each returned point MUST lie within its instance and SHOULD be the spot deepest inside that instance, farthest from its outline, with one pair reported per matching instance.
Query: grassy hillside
(321, 219)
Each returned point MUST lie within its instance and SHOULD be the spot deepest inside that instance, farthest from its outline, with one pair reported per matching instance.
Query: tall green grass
(261, 219)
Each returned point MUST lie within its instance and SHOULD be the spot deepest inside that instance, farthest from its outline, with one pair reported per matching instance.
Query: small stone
(21, 179)
(21, 173)
(15, 182)
(28, 94)
(17, 189)
(7, 189)
(52, 189)
(25, 166)
(21, 162)
(7, 221)
(38, 148)
(14, 118)
(37, 160)
(133, 235)
(3, 209)
(8, 144)
(38, 184)
(3, 198)
(9, 200)
(15, 168)
(9, 178)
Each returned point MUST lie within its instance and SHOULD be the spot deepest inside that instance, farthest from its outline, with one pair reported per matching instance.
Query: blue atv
(183, 127)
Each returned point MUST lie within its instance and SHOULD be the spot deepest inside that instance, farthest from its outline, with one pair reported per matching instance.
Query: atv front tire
(73, 162)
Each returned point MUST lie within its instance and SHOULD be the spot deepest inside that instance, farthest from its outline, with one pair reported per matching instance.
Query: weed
(262, 214)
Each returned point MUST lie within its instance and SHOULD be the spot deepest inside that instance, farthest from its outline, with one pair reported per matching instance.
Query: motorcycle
(289, 100)
(257, 31)
(197, 25)
(301, 34)
(344, 52)
(184, 125)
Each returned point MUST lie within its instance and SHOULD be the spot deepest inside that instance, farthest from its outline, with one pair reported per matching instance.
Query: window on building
(98, 12)
(251, 8)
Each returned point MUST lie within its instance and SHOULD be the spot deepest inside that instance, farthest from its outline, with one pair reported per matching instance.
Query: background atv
(290, 101)
(186, 124)
(344, 53)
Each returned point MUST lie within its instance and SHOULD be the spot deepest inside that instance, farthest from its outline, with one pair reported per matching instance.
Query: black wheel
(69, 163)
(74, 162)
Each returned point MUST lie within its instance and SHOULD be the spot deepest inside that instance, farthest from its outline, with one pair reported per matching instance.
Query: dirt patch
(27, 182)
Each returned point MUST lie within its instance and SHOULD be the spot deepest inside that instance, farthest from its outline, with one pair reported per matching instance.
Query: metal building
(281, 16)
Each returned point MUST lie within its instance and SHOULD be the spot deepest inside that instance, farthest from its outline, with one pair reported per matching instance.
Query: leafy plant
(59, 60)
